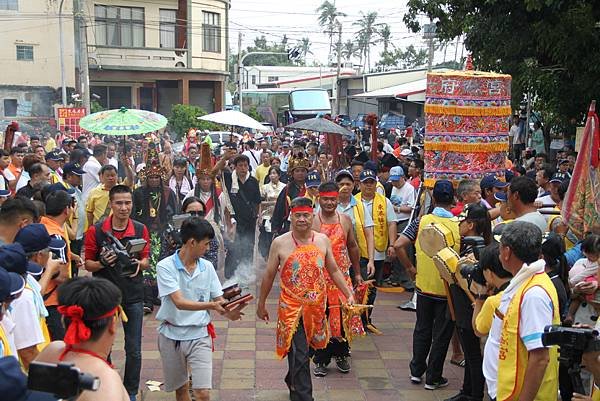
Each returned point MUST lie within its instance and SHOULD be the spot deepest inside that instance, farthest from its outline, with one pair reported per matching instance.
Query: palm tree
(385, 33)
(304, 47)
(349, 50)
(328, 18)
(367, 32)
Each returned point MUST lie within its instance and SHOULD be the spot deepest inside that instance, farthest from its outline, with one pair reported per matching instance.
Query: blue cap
(491, 181)
(396, 173)
(10, 284)
(73, 168)
(559, 177)
(54, 155)
(59, 187)
(14, 259)
(501, 196)
(443, 191)
(313, 179)
(35, 237)
(343, 173)
(367, 174)
(371, 165)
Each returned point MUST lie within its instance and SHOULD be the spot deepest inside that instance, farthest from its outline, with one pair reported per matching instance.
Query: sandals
(460, 363)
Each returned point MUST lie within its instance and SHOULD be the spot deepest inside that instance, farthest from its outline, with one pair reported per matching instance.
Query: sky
(298, 19)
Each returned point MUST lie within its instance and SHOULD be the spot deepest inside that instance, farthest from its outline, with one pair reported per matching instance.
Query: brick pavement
(245, 367)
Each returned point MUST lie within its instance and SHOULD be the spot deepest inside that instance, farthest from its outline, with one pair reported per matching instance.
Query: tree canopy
(551, 47)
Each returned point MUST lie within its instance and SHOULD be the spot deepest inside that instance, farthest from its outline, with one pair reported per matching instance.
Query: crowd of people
(160, 228)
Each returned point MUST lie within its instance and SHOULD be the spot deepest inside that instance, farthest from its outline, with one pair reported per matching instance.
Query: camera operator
(102, 262)
(516, 364)
(474, 220)
(91, 306)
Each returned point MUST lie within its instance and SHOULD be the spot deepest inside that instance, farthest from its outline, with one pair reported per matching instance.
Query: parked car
(391, 120)
(344, 120)
(359, 122)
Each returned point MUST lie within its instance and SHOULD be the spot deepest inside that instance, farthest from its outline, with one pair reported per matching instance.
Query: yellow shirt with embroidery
(97, 204)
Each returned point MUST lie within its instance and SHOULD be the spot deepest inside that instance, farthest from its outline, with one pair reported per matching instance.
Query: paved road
(245, 367)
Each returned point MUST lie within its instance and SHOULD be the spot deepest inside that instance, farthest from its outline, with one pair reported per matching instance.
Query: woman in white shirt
(270, 193)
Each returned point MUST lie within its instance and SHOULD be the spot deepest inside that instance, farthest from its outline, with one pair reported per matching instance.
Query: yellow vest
(361, 238)
(512, 361)
(428, 277)
(5, 344)
(380, 230)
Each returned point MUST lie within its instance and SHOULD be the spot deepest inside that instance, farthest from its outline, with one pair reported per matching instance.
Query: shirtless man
(93, 307)
(338, 228)
(301, 255)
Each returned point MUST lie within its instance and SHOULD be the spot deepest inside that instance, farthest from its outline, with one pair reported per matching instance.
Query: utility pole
(62, 55)
(429, 34)
(81, 54)
(339, 66)
(239, 68)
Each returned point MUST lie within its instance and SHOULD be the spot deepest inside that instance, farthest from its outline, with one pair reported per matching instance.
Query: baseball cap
(371, 165)
(558, 177)
(367, 174)
(443, 191)
(313, 179)
(501, 196)
(10, 284)
(406, 152)
(258, 136)
(35, 237)
(491, 181)
(343, 173)
(54, 155)
(473, 211)
(73, 168)
(396, 173)
(285, 144)
(13, 259)
(59, 187)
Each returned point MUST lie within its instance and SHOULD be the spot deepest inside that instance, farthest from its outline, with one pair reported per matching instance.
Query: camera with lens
(124, 253)
(63, 380)
(573, 343)
(472, 271)
(173, 230)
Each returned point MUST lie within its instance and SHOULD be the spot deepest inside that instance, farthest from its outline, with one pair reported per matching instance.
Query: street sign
(69, 117)
(429, 31)
(294, 54)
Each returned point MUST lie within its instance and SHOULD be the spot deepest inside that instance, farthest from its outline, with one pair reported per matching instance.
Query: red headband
(302, 209)
(331, 194)
(77, 331)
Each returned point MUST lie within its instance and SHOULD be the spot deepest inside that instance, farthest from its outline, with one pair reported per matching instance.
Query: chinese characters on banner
(69, 117)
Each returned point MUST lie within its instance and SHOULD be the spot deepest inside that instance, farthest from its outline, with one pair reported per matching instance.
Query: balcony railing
(137, 57)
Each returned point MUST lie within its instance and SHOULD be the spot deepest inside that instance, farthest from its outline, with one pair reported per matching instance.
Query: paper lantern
(467, 117)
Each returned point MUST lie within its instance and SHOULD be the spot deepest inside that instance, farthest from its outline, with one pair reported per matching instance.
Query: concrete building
(142, 54)
(263, 76)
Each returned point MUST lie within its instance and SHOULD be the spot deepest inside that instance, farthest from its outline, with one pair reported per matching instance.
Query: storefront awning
(412, 91)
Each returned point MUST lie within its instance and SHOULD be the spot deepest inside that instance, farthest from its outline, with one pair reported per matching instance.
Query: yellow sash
(428, 277)
(361, 238)
(512, 360)
(5, 344)
(379, 218)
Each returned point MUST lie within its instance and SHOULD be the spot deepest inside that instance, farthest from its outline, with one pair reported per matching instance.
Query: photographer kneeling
(104, 259)
(91, 308)
(516, 364)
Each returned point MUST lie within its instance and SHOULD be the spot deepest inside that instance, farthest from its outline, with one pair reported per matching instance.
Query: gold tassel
(503, 111)
(467, 147)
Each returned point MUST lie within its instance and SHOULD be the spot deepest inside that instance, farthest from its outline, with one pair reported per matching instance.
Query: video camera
(573, 343)
(124, 253)
(63, 380)
(473, 271)
(172, 233)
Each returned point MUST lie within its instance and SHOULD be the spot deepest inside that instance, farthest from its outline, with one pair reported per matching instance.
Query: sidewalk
(245, 367)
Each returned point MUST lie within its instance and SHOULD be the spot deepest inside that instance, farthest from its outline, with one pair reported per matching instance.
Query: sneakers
(415, 379)
(374, 330)
(342, 364)
(459, 397)
(409, 306)
(320, 370)
(443, 382)
(147, 309)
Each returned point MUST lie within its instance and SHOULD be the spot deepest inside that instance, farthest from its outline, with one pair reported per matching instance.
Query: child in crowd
(584, 270)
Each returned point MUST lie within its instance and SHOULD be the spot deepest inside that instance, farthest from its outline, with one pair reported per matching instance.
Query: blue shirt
(201, 285)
